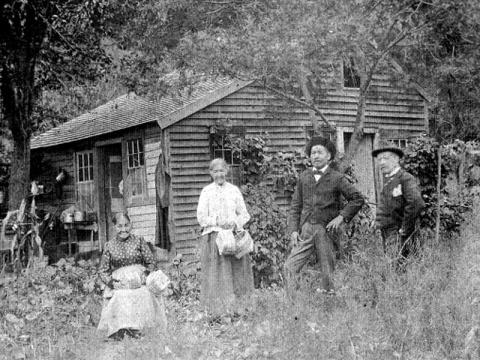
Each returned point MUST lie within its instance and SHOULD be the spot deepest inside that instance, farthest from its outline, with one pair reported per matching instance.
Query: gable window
(221, 148)
(136, 176)
(401, 143)
(84, 184)
(351, 79)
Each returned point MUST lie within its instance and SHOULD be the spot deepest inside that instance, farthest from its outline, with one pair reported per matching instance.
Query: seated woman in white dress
(129, 306)
(224, 277)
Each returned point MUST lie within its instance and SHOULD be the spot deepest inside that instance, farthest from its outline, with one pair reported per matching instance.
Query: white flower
(397, 190)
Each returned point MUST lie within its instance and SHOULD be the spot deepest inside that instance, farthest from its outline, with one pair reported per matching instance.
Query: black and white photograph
(239, 179)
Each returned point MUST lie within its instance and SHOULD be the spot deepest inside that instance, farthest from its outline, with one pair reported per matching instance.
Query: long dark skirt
(224, 278)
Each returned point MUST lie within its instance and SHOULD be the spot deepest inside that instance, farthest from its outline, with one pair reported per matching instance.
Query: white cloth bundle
(157, 282)
(239, 243)
(226, 242)
(129, 277)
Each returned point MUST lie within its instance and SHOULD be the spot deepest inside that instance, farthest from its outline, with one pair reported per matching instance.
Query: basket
(237, 243)
(226, 242)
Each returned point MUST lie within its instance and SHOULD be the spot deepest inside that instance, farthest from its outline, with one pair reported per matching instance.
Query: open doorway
(111, 182)
(364, 166)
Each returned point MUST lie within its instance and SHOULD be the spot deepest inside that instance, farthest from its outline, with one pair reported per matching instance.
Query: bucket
(79, 216)
(68, 218)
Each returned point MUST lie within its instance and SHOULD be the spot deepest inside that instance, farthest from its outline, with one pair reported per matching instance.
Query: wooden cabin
(119, 144)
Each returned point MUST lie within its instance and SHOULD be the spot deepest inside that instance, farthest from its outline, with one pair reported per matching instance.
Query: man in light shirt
(399, 206)
(317, 213)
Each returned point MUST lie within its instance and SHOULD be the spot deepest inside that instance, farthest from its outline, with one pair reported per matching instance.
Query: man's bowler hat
(326, 143)
(392, 149)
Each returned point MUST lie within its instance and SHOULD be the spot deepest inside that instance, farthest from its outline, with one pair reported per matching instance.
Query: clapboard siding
(191, 163)
(261, 112)
(144, 217)
(389, 110)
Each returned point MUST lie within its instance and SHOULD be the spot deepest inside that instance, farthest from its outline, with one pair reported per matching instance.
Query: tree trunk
(357, 135)
(19, 173)
(308, 97)
(314, 118)
(17, 96)
(22, 29)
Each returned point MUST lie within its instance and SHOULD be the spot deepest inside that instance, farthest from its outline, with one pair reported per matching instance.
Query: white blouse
(218, 204)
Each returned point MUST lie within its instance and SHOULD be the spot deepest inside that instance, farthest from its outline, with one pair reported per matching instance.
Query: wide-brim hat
(326, 143)
(392, 149)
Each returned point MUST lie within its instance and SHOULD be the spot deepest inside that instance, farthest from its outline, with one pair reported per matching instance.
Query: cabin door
(363, 166)
(113, 181)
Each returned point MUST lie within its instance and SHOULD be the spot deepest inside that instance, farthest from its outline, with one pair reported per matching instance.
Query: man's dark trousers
(313, 239)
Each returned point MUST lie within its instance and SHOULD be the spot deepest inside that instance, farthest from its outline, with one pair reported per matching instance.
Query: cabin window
(136, 177)
(84, 180)
(351, 79)
(221, 148)
(401, 143)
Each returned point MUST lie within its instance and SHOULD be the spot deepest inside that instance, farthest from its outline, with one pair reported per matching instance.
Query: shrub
(268, 228)
(421, 160)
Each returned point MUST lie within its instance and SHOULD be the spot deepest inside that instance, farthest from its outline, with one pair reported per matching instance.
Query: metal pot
(79, 216)
(68, 218)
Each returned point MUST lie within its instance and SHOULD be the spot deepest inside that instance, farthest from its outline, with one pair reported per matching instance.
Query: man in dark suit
(400, 204)
(316, 213)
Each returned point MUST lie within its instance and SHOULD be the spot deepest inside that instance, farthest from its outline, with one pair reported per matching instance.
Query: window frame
(140, 199)
(91, 175)
(235, 131)
(398, 142)
(354, 77)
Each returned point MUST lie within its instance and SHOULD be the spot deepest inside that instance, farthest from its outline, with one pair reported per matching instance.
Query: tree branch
(306, 104)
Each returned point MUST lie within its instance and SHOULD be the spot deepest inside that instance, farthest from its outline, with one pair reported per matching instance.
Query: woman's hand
(227, 224)
(113, 284)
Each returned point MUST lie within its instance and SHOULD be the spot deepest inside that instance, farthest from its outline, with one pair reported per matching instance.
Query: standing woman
(224, 277)
(129, 306)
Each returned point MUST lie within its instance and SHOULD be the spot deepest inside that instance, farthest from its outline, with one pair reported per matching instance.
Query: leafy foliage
(184, 278)
(66, 294)
(445, 63)
(268, 229)
(421, 160)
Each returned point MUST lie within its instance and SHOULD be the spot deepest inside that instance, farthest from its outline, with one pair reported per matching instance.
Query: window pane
(227, 156)
(136, 181)
(90, 158)
(91, 173)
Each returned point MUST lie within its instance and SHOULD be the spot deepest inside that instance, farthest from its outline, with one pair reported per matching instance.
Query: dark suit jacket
(320, 202)
(400, 203)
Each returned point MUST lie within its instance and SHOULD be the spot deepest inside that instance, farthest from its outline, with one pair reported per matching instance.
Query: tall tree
(298, 46)
(42, 43)
(446, 62)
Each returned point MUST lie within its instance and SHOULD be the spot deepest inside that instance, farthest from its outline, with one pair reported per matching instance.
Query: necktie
(317, 172)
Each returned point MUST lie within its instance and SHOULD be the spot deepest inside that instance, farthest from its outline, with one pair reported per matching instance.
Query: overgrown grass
(424, 312)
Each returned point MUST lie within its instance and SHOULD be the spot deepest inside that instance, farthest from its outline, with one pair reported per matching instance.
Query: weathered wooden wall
(144, 216)
(390, 112)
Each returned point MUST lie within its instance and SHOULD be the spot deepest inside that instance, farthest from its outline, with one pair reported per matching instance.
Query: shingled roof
(130, 110)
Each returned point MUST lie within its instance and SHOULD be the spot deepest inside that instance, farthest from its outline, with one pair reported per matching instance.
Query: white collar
(322, 170)
(396, 170)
